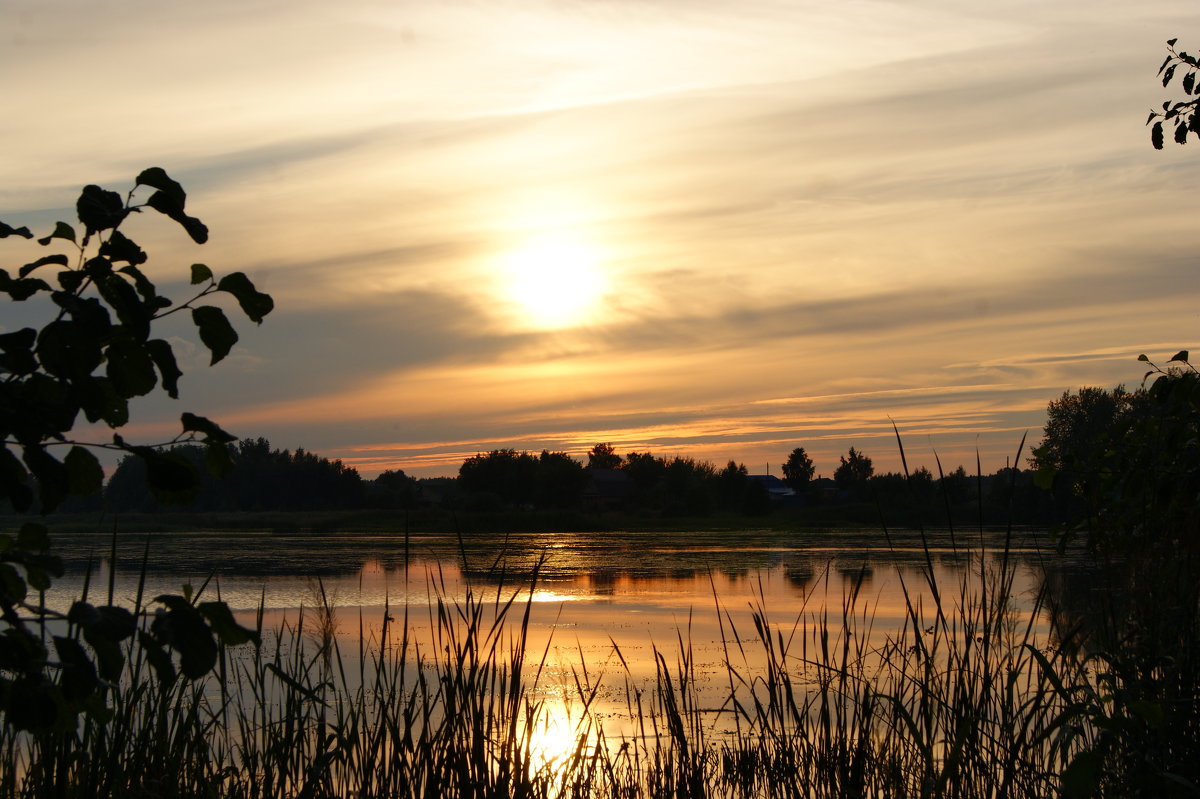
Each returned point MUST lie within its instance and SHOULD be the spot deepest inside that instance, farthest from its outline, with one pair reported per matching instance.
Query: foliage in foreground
(94, 353)
(97, 350)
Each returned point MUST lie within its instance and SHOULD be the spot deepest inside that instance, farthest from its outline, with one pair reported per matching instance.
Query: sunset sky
(708, 228)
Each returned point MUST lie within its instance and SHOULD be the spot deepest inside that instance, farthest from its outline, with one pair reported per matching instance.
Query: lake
(601, 603)
(605, 664)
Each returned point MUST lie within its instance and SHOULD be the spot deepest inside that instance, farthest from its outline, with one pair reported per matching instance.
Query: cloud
(815, 215)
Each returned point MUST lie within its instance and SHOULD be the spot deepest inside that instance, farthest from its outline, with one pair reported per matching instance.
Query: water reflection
(601, 615)
(590, 593)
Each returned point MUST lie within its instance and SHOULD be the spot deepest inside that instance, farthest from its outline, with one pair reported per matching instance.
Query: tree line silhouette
(265, 478)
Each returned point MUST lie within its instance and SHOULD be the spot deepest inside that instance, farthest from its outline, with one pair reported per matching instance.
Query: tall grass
(963, 700)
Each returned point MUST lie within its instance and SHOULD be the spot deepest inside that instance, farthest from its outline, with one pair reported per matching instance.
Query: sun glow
(554, 283)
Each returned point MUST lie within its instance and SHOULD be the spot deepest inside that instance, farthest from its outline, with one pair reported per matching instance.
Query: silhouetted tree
(561, 480)
(511, 478)
(798, 469)
(1080, 427)
(265, 479)
(956, 486)
(646, 471)
(687, 486)
(756, 500)
(393, 489)
(731, 485)
(1078, 424)
(854, 472)
(603, 456)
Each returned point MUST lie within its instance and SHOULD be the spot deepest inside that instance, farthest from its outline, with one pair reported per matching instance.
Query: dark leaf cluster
(1178, 117)
(96, 351)
(55, 668)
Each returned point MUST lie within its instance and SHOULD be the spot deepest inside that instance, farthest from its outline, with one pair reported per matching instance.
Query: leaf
(145, 288)
(23, 289)
(13, 479)
(17, 349)
(215, 331)
(8, 230)
(163, 203)
(1082, 777)
(1171, 42)
(1181, 133)
(1156, 135)
(160, 661)
(65, 349)
(99, 209)
(82, 614)
(1189, 82)
(1166, 61)
(120, 247)
(183, 629)
(61, 231)
(157, 178)
(12, 585)
(255, 303)
(52, 480)
(71, 280)
(33, 537)
(171, 478)
(109, 659)
(1182, 355)
(198, 424)
(164, 358)
(130, 368)
(225, 626)
(200, 274)
(116, 623)
(99, 400)
(60, 260)
(77, 674)
(84, 472)
(37, 578)
(218, 460)
(88, 311)
(98, 268)
(107, 624)
(1143, 358)
(1170, 73)
(123, 299)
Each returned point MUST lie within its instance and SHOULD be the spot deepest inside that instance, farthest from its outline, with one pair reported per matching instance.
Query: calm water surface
(636, 589)
(601, 605)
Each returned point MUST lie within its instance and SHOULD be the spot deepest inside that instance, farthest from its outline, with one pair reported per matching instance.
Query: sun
(554, 283)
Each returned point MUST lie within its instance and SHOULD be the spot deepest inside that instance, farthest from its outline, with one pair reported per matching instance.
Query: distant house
(776, 488)
(824, 488)
(607, 488)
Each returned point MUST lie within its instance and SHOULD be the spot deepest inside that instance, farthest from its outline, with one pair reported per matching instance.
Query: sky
(713, 229)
